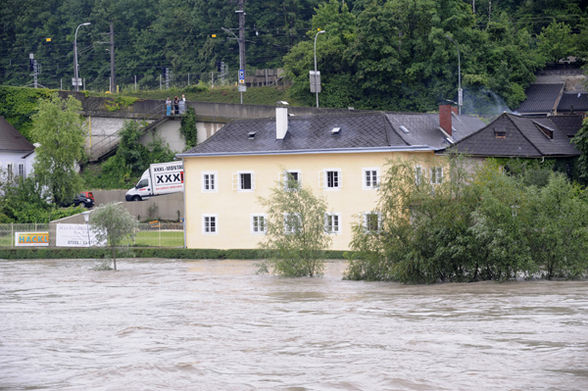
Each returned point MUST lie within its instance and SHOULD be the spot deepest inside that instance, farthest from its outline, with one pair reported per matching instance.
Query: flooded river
(216, 325)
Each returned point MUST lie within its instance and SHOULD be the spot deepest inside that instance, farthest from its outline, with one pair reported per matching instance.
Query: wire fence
(152, 234)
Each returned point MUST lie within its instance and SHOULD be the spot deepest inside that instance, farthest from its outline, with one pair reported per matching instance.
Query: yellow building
(341, 157)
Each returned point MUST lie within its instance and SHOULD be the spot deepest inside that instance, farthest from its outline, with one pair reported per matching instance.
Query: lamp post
(459, 90)
(75, 80)
(86, 215)
(316, 79)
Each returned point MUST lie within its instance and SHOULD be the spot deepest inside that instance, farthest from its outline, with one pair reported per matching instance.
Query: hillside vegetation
(375, 54)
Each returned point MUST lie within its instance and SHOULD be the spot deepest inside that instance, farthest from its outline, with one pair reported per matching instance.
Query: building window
(292, 223)
(21, 170)
(292, 180)
(436, 175)
(9, 172)
(499, 133)
(370, 178)
(209, 224)
(245, 181)
(332, 223)
(332, 179)
(371, 222)
(258, 224)
(209, 181)
(418, 175)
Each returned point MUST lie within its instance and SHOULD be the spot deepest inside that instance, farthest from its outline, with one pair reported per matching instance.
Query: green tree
(113, 224)
(581, 142)
(57, 126)
(295, 231)
(558, 233)
(556, 42)
(25, 201)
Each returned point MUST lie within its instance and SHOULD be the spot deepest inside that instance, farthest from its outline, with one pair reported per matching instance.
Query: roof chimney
(445, 118)
(281, 122)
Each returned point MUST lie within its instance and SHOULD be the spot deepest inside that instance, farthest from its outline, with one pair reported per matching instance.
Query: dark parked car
(86, 198)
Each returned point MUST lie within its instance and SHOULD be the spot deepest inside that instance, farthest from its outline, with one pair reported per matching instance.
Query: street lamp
(86, 215)
(76, 81)
(459, 90)
(316, 80)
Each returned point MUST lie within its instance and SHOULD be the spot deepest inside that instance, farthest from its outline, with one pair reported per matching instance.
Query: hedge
(140, 252)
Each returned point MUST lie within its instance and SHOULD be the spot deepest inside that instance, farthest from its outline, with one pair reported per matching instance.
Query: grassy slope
(253, 95)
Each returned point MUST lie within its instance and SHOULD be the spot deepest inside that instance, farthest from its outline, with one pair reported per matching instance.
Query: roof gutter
(411, 148)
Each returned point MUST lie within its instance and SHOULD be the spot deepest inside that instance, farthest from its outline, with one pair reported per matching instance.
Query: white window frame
(436, 179)
(330, 216)
(365, 222)
(364, 181)
(9, 171)
(255, 224)
(215, 181)
(284, 178)
(418, 175)
(240, 183)
(205, 226)
(325, 175)
(21, 170)
(286, 216)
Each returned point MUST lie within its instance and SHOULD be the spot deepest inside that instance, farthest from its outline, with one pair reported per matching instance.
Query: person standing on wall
(176, 106)
(183, 104)
(168, 106)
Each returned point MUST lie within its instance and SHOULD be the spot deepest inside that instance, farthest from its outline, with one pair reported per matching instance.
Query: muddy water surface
(217, 325)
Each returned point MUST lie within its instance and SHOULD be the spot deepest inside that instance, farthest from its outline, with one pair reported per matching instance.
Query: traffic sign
(241, 76)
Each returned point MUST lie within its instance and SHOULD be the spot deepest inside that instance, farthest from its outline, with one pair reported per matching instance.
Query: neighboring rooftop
(573, 102)
(541, 98)
(11, 140)
(515, 136)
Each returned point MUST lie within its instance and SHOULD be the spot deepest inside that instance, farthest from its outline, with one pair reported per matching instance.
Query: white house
(17, 154)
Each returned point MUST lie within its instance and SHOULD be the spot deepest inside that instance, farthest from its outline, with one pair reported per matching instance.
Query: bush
(491, 226)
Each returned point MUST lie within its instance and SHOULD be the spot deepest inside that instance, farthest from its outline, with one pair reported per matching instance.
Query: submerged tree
(113, 224)
(295, 231)
(485, 226)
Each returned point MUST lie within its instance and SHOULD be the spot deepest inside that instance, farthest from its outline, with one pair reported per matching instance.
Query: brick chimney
(281, 122)
(445, 118)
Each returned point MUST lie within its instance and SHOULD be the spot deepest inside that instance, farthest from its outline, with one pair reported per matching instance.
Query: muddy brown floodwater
(217, 325)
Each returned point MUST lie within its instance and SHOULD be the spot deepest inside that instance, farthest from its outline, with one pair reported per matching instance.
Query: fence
(153, 234)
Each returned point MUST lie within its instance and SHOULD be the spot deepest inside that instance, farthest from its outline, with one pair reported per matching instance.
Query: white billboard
(76, 235)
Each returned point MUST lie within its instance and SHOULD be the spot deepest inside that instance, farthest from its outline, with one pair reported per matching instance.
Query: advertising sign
(31, 238)
(167, 177)
(76, 235)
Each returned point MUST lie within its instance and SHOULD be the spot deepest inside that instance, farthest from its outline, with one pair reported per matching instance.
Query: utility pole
(112, 76)
(242, 86)
(34, 67)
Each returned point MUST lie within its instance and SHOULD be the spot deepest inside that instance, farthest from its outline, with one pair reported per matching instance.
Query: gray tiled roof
(358, 131)
(311, 133)
(541, 98)
(523, 137)
(423, 129)
(11, 140)
(573, 102)
(568, 124)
